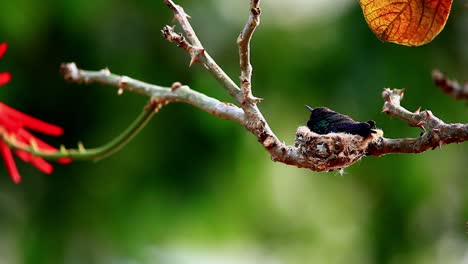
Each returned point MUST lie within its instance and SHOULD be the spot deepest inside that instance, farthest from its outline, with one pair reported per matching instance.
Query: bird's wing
(319, 126)
(350, 127)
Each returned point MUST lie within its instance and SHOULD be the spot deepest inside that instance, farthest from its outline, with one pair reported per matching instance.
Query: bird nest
(331, 151)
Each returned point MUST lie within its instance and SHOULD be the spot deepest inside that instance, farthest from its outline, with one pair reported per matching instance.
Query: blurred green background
(195, 189)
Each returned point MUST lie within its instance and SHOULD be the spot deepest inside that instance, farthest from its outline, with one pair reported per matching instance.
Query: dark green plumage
(323, 121)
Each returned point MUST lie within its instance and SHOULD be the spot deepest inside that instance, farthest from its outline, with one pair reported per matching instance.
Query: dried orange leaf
(406, 22)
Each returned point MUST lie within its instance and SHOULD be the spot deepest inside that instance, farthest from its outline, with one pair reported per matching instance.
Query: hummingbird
(323, 121)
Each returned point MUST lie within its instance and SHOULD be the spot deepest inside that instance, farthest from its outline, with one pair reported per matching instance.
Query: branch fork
(194, 52)
(415, 119)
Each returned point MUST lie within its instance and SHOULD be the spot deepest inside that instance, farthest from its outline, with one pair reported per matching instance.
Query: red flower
(4, 76)
(14, 123)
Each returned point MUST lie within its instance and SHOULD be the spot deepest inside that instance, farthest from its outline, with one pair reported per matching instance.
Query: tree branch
(316, 152)
(417, 118)
(439, 134)
(177, 93)
(450, 87)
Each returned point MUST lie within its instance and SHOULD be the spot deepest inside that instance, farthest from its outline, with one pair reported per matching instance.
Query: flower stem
(94, 153)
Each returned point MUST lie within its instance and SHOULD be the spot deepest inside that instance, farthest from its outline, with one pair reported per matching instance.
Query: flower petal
(64, 160)
(42, 165)
(31, 122)
(5, 77)
(9, 124)
(9, 162)
(3, 48)
(23, 155)
(37, 162)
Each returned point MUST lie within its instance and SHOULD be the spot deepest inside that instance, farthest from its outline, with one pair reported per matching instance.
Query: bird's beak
(310, 108)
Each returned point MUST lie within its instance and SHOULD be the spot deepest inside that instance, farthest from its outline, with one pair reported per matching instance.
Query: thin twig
(182, 18)
(243, 41)
(169, 34)
(257, 124)
(450, 87)
(200, 54)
